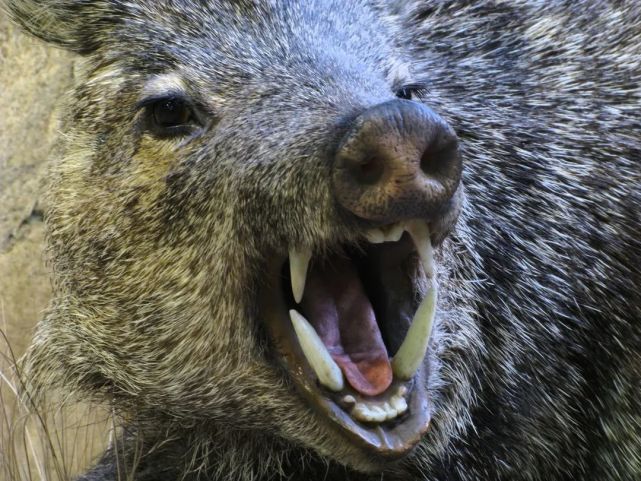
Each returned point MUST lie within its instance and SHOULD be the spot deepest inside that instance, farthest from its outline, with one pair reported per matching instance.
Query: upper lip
(400, 403)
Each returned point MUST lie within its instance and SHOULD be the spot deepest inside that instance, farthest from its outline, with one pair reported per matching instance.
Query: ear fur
(76, 25)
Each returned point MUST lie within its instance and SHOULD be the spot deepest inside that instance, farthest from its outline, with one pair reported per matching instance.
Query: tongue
(336, 305)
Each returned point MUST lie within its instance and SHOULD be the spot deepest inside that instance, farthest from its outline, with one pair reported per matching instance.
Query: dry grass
(50, 441)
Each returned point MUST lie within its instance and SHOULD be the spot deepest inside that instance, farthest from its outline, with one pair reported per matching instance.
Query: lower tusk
(318, 357)
(412, 352)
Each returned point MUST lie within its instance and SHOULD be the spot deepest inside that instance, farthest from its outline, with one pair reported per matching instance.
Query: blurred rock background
(33, 77)
(60, 441)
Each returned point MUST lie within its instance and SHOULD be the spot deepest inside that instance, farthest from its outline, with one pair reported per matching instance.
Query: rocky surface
(33, 80)
(33, 77)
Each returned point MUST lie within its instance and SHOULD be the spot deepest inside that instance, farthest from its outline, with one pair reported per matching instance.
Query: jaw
(384, 420)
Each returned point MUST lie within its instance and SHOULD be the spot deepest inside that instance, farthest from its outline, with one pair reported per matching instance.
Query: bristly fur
(158, 245)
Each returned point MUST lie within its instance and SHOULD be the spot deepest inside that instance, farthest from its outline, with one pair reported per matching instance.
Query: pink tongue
(336, 305)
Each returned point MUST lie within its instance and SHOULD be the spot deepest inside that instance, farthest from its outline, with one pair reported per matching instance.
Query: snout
(398, 160)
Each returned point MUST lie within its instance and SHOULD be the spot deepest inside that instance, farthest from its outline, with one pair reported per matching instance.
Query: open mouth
(353, 330)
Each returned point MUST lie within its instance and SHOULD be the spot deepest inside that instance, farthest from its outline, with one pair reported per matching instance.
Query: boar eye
(171, 112)
(170, 116)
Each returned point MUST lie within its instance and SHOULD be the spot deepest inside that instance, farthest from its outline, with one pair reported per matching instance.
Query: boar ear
(76, 25)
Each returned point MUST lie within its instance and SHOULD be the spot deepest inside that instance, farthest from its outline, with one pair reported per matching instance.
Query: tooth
(378, 414)
(390, 412)
(349, 399)
(421, 235)
(375, 236)
(298, 263)
(395, 233)
(399, 404)
(391, 233)
(370, 413)
(412, 351)
(327, 371)
(361, 412)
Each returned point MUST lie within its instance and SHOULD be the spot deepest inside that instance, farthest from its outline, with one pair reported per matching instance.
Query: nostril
(368, 170)
(438, 158)
(398, 160)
